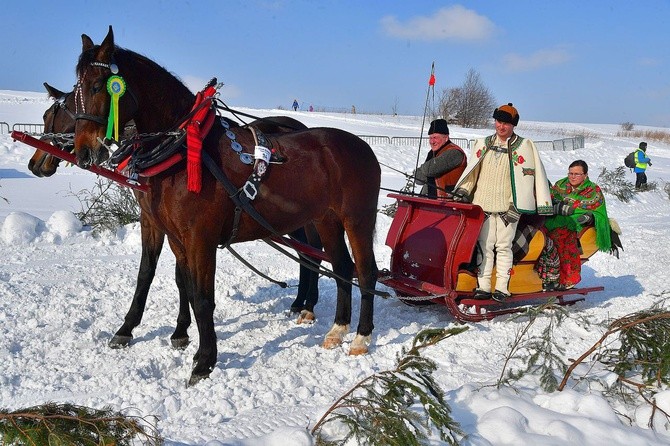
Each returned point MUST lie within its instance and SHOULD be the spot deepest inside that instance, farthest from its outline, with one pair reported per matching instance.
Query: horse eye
(97, 87)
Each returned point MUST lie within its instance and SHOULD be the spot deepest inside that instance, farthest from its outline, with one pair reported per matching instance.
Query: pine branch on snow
(399, 407)
(69, 424)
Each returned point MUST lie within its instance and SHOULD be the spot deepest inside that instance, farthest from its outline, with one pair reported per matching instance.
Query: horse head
(99, 93)
(115, 86)
(58, 119)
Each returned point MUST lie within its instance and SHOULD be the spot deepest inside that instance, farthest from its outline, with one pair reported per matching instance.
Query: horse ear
(107, 46)
(53, 91)
(86, 43)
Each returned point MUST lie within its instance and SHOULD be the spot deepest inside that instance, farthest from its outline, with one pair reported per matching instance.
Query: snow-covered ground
(64, 292)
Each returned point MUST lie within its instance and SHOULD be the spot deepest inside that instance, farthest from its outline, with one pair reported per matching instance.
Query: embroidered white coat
(530, 186)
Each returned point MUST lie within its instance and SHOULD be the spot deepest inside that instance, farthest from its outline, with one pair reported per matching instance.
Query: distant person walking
(641, 163)
(295, 105)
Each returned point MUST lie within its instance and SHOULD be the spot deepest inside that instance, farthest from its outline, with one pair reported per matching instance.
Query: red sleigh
(433, 242)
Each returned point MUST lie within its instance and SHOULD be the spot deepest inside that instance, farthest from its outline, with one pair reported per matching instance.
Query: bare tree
(394, 107)
(469, 105)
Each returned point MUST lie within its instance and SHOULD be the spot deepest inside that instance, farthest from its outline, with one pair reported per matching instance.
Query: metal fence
(414, 141)
(564, 144)
(576, 142)
(28, 128)
(372, 139)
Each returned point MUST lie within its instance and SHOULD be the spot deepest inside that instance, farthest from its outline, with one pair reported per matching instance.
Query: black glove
(512, 215)
(585, 219)
(461, 195)
(561, 208)
(649, 163)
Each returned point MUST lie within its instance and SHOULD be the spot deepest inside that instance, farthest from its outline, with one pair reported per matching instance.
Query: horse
(59, 119)
(329, 177)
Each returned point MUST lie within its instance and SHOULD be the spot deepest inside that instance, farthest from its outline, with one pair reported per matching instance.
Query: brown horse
(329, 176)
(59, 123)
(58, 120)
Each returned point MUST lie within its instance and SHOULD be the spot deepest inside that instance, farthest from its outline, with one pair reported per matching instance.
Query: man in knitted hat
(506, 178)
(641, 163)
(444, 164)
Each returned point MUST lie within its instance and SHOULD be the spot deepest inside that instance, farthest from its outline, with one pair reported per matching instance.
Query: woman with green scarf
(579, 203)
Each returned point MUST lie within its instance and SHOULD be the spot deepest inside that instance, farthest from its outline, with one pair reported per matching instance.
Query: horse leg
(198, 265)
(308, 286)
(179, 338)
(361, 238)
(152, 243)
(332, 236)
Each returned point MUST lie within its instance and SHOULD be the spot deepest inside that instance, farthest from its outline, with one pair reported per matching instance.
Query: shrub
(107, 206)
(615, 183)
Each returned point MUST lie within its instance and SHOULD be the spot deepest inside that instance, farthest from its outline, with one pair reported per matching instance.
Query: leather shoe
(501, 297)
(481, 295)
(550, 286)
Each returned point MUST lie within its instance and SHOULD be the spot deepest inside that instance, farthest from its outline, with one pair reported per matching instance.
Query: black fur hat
(643, 145)
(506, 113)
(439, 126)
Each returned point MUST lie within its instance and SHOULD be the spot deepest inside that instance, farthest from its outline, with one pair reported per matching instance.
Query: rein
(242, 203)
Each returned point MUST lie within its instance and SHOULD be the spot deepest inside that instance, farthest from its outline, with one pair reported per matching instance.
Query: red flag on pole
(431, 81)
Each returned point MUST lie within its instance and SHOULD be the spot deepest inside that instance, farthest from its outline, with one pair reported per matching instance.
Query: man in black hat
(444, 164)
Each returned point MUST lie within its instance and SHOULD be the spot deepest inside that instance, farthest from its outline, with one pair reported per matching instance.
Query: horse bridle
(79, 96)
(64, 140)
(61, 104)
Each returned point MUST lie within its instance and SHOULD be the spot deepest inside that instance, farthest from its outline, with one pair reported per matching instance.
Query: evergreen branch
(619, 325)
(543, 351)
(68, 424)
(383, 409)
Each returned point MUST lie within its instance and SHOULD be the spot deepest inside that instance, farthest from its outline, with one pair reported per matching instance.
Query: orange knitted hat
(506, 113)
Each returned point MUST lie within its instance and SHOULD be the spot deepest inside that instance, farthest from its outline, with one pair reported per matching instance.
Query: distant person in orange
(444, 164)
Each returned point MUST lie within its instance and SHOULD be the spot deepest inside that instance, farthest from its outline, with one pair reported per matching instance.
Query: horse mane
(132, 64)
(124, 54)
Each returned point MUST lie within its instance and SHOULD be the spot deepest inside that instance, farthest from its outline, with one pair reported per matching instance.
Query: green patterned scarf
(587, 197)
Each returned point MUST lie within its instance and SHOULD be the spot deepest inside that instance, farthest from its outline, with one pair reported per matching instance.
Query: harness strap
(254, 269)
(242, 203)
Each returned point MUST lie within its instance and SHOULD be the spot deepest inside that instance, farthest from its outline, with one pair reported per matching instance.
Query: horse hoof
(306, 317)
(335, 336)
(359, 346)
(180, 343)
(195, 379)
(119, 341)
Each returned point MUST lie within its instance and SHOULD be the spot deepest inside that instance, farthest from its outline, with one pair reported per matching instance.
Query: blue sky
(566, 61)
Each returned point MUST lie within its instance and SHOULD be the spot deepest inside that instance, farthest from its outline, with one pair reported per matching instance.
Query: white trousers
(496, 240)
